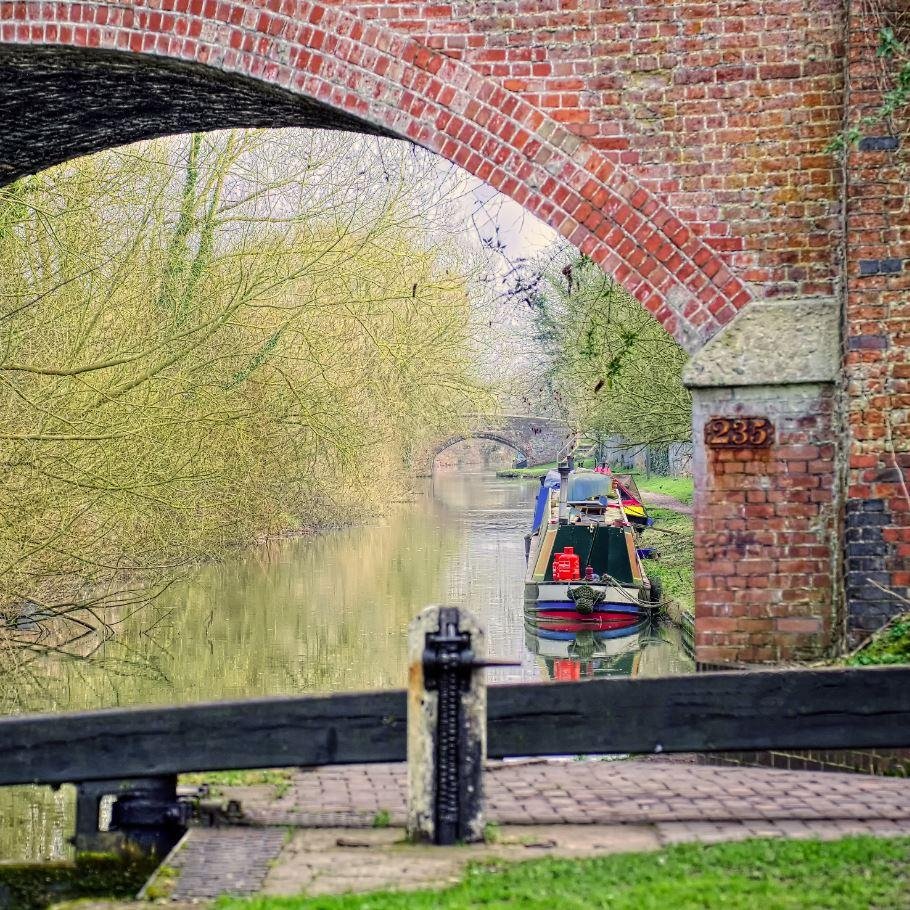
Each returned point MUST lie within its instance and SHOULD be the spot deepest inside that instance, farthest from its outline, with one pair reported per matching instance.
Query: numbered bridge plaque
(739, 433)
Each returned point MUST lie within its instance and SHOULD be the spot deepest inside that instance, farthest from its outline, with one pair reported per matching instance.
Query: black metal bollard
(446, 727)
(146, 815)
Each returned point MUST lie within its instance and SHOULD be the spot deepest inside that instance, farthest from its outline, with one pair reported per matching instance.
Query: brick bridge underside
(683, 146)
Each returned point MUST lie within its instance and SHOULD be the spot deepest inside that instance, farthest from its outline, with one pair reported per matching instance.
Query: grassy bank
(681, 488)
(672, 535)
(853, 873)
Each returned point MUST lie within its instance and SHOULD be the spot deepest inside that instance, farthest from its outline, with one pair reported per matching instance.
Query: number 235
(739, 432)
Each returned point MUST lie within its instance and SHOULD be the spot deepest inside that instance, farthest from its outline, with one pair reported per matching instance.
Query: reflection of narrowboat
(642, 645)
(585, 655)
(584, 562)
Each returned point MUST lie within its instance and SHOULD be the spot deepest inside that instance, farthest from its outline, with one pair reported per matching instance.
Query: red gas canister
(566, 565)
(559, 567)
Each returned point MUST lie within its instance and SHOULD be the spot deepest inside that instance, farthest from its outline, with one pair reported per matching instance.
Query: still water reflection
(322, 613)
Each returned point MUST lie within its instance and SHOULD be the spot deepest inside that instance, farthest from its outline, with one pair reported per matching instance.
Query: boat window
(588, 485)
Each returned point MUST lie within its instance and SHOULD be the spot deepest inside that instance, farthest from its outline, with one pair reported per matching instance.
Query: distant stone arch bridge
(538, 440)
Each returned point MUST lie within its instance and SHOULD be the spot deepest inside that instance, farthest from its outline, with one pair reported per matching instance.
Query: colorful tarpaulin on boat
(631, 501)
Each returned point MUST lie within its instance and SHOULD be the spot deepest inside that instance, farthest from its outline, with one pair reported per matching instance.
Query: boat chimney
(564, 468)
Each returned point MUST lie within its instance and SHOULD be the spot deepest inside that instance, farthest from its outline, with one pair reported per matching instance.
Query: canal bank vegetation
(889, 645)
(752, 875)
(208, 340)
(673, 537)
(681, 488)
(36, 887)
(607, 366)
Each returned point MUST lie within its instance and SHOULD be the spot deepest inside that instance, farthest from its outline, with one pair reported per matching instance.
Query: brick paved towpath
(567, 808)
(596, 792)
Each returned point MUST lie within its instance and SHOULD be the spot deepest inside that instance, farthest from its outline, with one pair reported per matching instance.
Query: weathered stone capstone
(781, 342)
(766, 561)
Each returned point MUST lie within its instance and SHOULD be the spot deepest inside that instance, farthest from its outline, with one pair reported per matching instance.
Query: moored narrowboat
(584, 560)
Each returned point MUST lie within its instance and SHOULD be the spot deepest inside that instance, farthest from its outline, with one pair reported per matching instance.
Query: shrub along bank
(889, 646)
(206, 340)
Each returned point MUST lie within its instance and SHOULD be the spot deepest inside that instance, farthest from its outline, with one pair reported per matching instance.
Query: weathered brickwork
(682, 145)
(765, 521)
(877, 335)
(722, 109)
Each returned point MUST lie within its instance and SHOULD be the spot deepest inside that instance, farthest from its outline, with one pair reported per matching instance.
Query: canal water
(324, 613)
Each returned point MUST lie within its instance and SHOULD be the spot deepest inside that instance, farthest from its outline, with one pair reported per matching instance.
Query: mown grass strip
(853, 873)
(681, 488)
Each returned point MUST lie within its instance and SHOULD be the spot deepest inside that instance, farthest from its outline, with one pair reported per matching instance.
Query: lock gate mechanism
(145, 814)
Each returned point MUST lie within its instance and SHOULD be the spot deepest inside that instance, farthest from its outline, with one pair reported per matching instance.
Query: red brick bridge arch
(681, 145)
(112, 73)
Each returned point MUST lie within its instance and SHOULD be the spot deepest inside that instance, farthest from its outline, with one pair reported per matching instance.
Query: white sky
(508, 234)
(522, 235)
